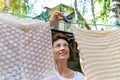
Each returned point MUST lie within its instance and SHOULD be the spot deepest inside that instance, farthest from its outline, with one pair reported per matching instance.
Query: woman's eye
(65, 45)
(58, 46)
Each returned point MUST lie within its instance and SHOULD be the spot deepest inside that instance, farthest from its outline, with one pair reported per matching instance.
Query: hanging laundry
(99, 53)
(25, 48)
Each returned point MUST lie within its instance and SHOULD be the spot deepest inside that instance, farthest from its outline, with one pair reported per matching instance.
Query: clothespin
(102, 29)
(117, 23)
(44, 16)
(66, 20)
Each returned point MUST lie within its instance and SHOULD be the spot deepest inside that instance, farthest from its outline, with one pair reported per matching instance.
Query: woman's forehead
(61, 41)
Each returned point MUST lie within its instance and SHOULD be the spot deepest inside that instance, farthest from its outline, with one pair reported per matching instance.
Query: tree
(104, 10)
(114, 12)
(15, 6)
(92, 8)
(79, 16)
(2, 3)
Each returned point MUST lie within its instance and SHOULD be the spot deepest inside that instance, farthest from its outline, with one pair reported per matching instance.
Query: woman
(61, 52)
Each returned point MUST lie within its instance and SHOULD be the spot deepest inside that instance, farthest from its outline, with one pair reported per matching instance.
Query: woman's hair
(59, 36)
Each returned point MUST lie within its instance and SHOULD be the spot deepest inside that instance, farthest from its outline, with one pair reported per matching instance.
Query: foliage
(2, 3)
(101, 9)
(104, 12)
(80, 17)
(63, 8)
(17, 6)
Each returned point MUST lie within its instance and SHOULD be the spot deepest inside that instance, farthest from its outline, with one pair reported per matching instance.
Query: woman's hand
(55, 18)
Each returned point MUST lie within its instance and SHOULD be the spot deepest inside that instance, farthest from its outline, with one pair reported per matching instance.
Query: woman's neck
(63, 70)
(61, 67)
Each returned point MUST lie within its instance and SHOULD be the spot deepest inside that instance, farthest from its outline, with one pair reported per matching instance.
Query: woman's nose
(63, 46)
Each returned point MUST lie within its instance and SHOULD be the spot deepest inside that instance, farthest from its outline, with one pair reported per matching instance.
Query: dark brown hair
(59, 36)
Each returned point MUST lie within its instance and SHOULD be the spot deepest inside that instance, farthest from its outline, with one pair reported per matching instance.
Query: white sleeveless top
(56, 76)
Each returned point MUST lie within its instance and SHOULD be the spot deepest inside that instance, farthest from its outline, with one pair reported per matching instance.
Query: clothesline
(20, 15)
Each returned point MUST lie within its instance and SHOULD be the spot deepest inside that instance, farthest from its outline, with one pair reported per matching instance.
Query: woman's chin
(63, 57)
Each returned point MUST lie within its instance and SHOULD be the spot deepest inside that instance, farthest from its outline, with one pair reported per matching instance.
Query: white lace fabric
(24, 55)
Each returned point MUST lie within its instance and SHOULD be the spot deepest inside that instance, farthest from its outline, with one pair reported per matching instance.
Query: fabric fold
(24, 55)
(99, 53)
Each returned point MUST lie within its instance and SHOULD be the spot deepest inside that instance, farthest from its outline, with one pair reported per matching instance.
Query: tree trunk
(79, 17)
(114, 12)
(93, 13)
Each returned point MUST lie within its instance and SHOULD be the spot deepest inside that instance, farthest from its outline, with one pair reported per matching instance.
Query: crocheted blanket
(99, 53)
(25, 48)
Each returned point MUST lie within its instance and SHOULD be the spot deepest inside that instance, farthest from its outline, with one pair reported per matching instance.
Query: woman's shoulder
(79, 76)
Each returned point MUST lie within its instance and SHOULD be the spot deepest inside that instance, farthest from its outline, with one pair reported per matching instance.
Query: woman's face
(61, 50)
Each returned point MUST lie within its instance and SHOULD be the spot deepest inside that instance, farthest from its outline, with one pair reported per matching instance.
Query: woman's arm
(55, 18)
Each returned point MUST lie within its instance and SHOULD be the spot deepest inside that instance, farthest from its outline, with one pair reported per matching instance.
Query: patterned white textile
(99, 53)
(24, 55)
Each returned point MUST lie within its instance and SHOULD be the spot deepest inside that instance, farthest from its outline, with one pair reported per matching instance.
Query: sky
(40, 4)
